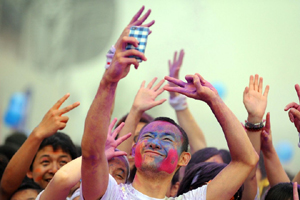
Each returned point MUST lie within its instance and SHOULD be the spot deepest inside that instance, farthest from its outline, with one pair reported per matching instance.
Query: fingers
(111, 126)
(158, 85)
(176, 89)
(297, 87)
(143, 84)
(295, 191)
(197, 82)
(174, 57)
(256, 82)
(143, 18)
(260, 85)
(68, 108)
(134, 52)
(119, 153)
(159, 102)
(64, 119)
(246, 91)
(61, 101)
(291, 116)
(181, 55)
(129, 40)
(175, 81)
(267, 91)
(149, 25)
(123, 138)
(117, 130)
(291, 105)
(251, 83)
(295, 113)
(137, 15)
(268, 123)
(149, 86)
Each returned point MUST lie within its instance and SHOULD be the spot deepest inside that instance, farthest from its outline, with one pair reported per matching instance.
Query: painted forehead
(161, 127)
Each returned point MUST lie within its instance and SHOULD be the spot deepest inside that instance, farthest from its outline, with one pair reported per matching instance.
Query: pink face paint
(138, 156)
(170, 163)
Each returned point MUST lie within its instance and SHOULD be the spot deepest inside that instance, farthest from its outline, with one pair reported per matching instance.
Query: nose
(155, 144)
(54, 167)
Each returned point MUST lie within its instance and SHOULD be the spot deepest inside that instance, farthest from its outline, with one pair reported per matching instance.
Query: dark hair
(200, 174)
(3, 164)
(281, 191)
(59, 141)
(8, 150)
(29, 184)
(201, 156)
(185, 143)
(225, 154)
(16, 138)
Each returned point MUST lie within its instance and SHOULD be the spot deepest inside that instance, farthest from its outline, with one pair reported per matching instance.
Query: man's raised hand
(195, 87)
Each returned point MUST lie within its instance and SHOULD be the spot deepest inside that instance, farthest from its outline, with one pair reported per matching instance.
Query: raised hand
(294, 110)
(111, 144)
(145, 98)
(295, 191)
(195, 87)
(255, 100)
(266, 136)
(174, 68)
(53, 120)
(136, 21)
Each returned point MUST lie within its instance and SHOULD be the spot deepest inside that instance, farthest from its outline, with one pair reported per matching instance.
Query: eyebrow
(48, 156)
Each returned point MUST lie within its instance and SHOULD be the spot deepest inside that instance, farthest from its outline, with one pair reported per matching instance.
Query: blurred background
(52, 47)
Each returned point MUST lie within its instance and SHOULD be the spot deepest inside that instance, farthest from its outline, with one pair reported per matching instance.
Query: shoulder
(197, 194)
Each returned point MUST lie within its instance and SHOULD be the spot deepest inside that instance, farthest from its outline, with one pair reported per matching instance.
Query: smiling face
(159, 147)
(46, 164)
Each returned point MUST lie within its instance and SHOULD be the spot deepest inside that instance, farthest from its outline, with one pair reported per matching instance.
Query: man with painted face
(161, 148)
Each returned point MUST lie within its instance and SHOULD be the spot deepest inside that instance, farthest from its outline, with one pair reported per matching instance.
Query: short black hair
(62, 141)
(200, 174)
(29, 184)
(185, 143)
(16, 138)
(281, 191)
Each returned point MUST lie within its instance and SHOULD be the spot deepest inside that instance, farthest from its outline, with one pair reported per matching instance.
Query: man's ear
(133, 150)
(184, 159)
(29, 174)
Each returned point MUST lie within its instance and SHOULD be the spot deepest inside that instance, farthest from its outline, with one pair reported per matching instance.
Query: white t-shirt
(75, 194)
(127, 192)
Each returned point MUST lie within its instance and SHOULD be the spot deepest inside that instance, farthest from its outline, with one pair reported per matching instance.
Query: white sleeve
(39, 195)
(196, 194)
(112, 184)
(75, 194)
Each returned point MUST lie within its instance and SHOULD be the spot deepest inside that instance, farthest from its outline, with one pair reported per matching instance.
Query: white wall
(223, 41)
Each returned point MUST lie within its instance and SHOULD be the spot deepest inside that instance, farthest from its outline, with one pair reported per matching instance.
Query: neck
(152, 184)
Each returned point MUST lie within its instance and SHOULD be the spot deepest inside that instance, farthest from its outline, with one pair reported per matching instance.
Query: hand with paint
(195, 87)
(145, 97)
(53, 120)
(294, 110)
(174, 68)
(111, 143)
(136, 21)
(255, 100)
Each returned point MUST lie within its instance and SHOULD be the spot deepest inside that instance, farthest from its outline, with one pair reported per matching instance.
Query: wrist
(178, 102)
(254, 119)
(37, 134)
(268, 153)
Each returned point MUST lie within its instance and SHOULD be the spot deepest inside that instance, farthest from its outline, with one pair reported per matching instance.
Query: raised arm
(19, 165)
(294, 110)
(70, 174)
(184, 116)
(255, 102)
(274, 169)
(144, 100)
(244, 157)
(94, 164)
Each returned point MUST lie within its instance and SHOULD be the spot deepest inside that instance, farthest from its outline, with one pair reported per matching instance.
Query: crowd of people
(142, 157)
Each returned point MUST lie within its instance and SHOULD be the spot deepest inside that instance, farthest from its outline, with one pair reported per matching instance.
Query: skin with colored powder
(158, 147)
(46, 164)
(118, 169)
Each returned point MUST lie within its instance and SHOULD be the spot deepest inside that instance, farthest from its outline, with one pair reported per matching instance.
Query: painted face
(158, 147)
(118, 169)
(46, 164)
(27, 194)
(136, 136)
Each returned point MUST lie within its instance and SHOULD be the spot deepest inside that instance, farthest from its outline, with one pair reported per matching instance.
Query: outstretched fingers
(68, 108)
(158, 85)
(117, 130)
(295, 191)
(137, 15)
(150, 84)
(111, 126)
(175, 81)
(291, 105)
(123, 138)
(61, 101)
(142, 19)
(297, 87)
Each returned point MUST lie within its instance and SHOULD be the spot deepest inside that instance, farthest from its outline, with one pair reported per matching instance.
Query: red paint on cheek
(138, 156)
(39, 178)
(170, 163)
(37, 170)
